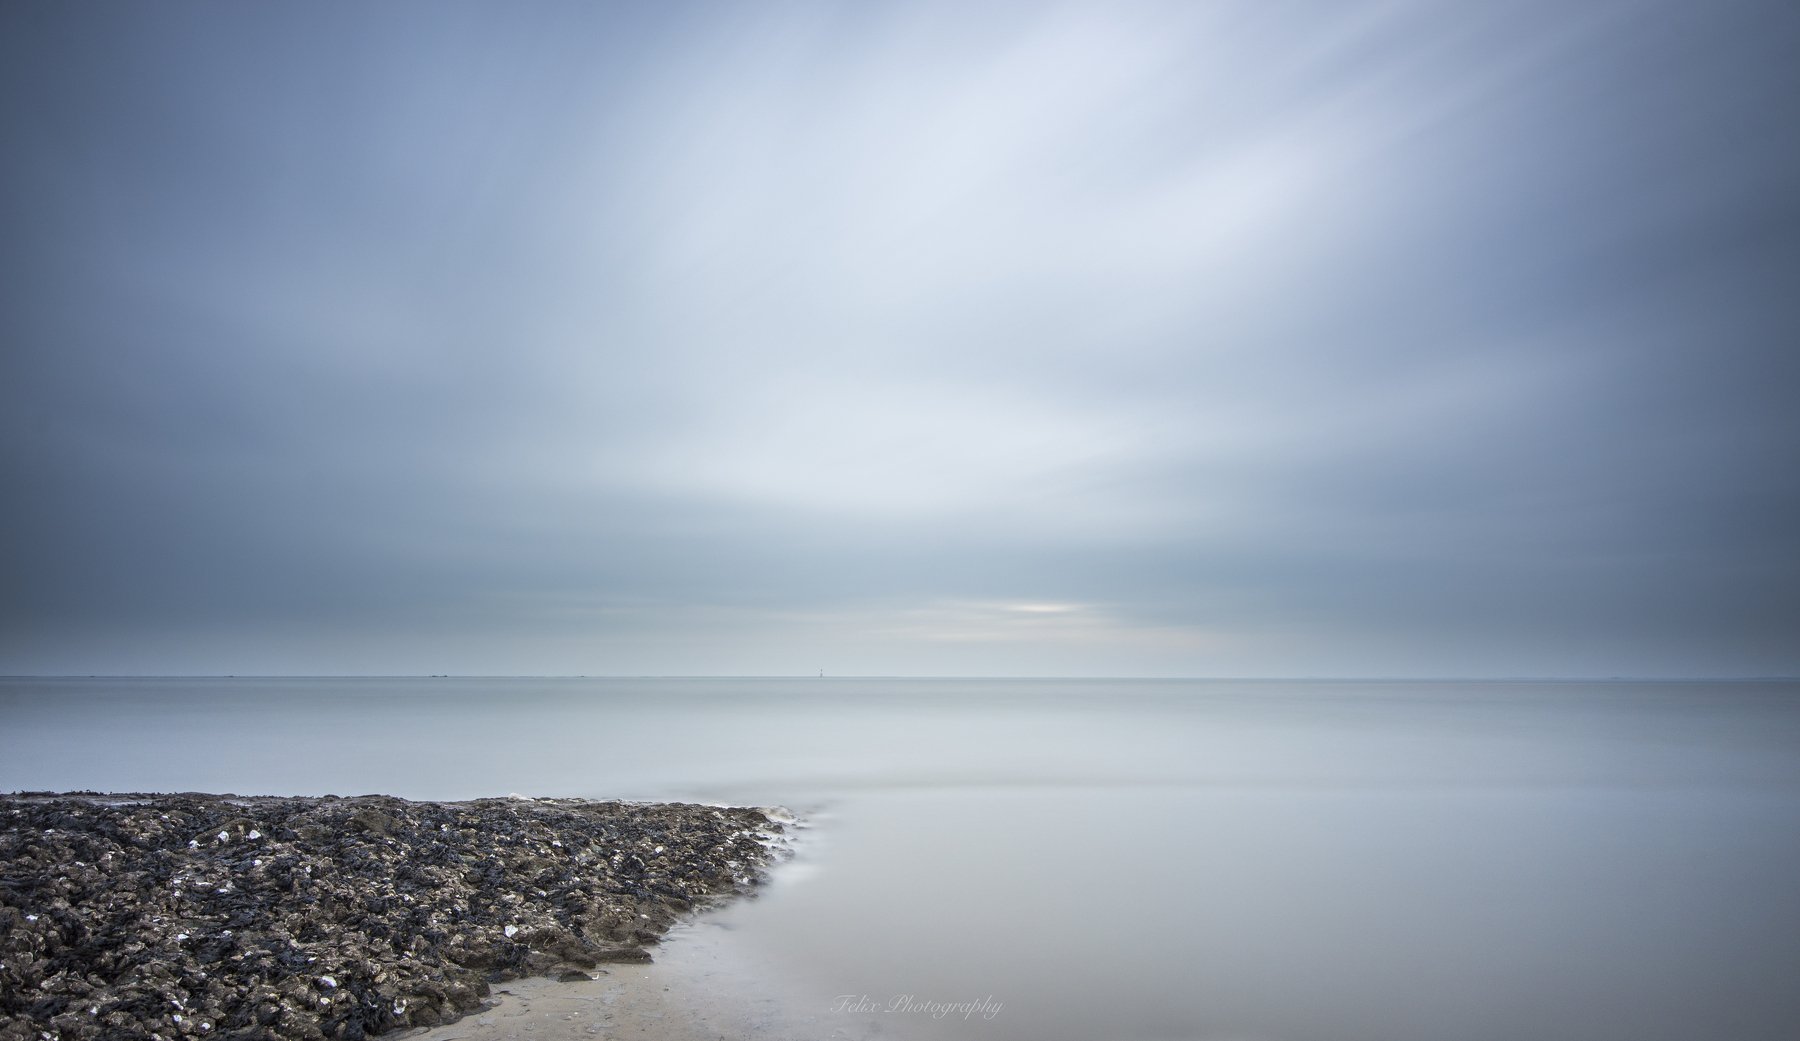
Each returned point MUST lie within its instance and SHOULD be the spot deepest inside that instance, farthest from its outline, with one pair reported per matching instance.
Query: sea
(990, 859)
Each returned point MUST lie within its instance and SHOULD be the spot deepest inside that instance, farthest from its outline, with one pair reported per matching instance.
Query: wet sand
(700, 988)
(624, 1002)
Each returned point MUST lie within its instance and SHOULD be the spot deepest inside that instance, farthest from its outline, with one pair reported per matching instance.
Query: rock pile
(183, 916)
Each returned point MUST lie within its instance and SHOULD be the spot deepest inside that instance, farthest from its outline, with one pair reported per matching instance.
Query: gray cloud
(1141, 339)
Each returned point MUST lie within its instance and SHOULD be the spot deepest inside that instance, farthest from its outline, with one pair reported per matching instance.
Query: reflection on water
(1110, 859)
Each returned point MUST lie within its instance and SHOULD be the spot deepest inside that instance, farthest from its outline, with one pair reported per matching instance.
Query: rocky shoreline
(162, 917)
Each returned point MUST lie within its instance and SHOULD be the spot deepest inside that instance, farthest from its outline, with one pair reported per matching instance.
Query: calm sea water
(1289, 861)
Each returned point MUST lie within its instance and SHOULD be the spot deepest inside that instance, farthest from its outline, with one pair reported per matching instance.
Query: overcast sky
(1234, 338)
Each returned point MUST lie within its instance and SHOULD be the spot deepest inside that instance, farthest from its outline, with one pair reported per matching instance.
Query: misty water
(1288, 861)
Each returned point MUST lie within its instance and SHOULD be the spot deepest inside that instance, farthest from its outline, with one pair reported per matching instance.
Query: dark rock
(375, 822)
(131, 917)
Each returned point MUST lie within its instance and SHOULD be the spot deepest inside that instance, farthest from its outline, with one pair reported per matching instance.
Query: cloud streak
(1268, 339)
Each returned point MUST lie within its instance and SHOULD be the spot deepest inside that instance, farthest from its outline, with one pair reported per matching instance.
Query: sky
(1116, 339)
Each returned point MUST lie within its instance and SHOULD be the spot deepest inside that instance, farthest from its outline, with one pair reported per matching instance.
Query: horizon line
(1317, 678)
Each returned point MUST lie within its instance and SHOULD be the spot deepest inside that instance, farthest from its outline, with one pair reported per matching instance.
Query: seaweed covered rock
(181, 916)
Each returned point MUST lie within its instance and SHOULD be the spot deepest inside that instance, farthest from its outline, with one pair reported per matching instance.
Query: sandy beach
(173, 916)
(686, 995)
(619, 1003)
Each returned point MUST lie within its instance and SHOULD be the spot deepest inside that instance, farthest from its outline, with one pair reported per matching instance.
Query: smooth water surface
(1107, 859)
